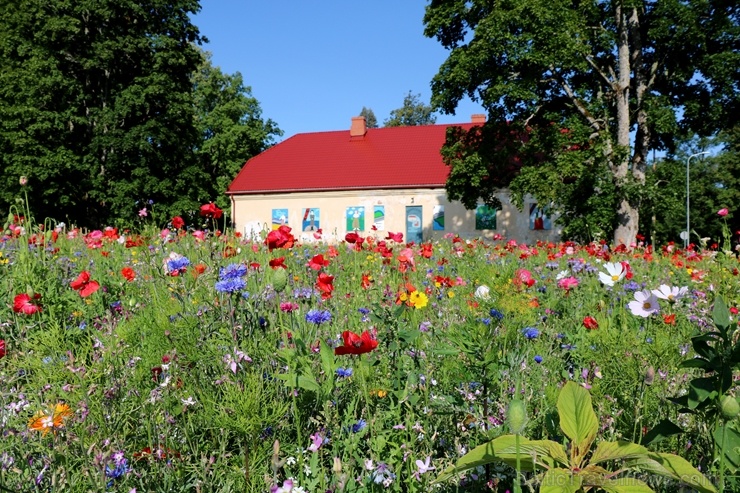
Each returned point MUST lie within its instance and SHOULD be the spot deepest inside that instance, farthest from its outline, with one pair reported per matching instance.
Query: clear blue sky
(313, 65)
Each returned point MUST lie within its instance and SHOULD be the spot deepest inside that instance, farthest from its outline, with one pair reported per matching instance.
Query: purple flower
(318, 316)
(359, 426)
(344, 372)
(232, 271)
(530, 332)
(231, 285)
(538, 359)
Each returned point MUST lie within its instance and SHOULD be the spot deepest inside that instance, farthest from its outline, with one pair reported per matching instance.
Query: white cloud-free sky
(314, 65)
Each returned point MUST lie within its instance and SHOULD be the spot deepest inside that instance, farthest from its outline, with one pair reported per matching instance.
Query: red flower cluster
(84, 285)
(523, 277)
(2, 348)
(356, 344)
(178, 222)
(26, 305)
(317, 262)
(590, 323)
(280, 238)
(210, 210)
(128, 274)
(325, 284)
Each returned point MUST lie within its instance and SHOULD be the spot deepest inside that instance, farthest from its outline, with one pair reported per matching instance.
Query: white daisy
(670, 293)
(615, 272)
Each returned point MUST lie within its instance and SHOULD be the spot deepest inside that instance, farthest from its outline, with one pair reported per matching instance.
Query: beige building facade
(420, 214)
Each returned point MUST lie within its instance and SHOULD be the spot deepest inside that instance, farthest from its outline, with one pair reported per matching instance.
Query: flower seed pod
(279, 279)
(649, 376)
(729, 407)
(516, 416)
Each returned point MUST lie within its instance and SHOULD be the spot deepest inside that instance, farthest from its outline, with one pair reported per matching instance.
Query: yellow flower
(450, 294)
(403, 296)
(418, 299)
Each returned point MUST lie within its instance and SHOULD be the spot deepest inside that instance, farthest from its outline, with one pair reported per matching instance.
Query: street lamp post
(688, 223)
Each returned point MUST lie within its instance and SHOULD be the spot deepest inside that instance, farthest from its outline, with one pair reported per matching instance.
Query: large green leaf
(560, 481)
(672, 466)
(701, 390)
(305, 382)
(728, 443)
(625, 485)
(533, 455)
(577, 418)
(721, 315)
(662, 430)
(617, 451)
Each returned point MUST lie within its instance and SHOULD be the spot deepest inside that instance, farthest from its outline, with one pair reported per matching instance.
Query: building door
(413, 224)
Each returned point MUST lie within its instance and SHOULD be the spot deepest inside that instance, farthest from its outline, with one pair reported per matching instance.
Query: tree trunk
(628, 215)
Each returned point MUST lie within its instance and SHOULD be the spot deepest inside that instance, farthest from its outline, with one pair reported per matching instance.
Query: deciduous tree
(634, 73)
(413, 112)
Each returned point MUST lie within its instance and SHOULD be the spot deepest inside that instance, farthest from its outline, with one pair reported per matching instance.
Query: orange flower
(669, 319)
(44, 422)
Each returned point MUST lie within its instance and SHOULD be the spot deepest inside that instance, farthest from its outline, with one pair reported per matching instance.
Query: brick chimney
(359, 127)
(478, 119)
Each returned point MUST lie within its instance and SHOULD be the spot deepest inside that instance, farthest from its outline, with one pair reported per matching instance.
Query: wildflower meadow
(177, 357)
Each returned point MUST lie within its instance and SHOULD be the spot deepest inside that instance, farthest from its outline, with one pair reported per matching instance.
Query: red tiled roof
(390, 157)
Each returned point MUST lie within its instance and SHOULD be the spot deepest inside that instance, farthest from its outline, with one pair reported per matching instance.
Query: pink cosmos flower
(645, 304)
(723, 212)
(568, 283)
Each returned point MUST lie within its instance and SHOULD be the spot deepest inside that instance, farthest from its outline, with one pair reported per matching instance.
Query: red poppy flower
(523, 277)
(128, 274)
(280, 238)
(177, 222)
(278, 263)
(84, 285)
(325, 284)
(669, 319)
(426, 250)
(590, 323)
(397, 237)
(366, 281)
(23, 303)
(356, 344)
(2, 348)
(351, 238)
(317, 262)
(211, 210)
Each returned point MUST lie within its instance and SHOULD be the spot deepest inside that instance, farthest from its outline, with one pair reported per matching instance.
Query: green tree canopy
(413, 112)
(370, 119)
(624, 77)
(228, 120)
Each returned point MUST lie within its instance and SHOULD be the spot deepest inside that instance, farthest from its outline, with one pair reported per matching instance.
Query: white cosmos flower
(483, 292)
(644, 305)
(670, 293)
(615, 272)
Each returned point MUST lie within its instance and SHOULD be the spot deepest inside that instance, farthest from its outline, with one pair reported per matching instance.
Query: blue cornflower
(344, 372)
(364, 311)
(496, 314)
(486, 320)
(359, 426)
(121, 468)
(631, 286)
(538, 359)
(177, 264)
(530, 332)
(552, 265)
(318, 316)
(231, 285)
(232, 271)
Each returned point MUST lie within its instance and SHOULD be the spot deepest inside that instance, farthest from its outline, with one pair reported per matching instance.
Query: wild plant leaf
(661, 431)
(532, 455)
(721, 315)
(674, 467)
(616, 451)
(625, 485)
(700, 390)
(696, 363)
(560, 481)
(304, 382)
(577, 418)
(728, 443)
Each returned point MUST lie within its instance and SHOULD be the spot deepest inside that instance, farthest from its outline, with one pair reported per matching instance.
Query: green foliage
(370, 120)
(413, 112)
(568, 63)
(579, 423)
(98, 108)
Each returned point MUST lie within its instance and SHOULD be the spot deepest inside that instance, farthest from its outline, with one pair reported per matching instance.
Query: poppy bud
(649, 376)
(516, 416)
(279, 279)
(729, 407)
